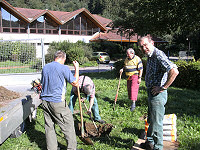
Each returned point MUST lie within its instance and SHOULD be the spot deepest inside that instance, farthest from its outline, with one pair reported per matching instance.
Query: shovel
(117, 90)
(84, 139)
(91, 117)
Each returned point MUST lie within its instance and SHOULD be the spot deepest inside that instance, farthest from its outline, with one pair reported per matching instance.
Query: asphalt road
(99, 68)
(26, 79)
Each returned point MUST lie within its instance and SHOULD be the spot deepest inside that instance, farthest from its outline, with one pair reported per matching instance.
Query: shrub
(79, 51)
(17, 51)
(120, 64)
(189, 74)
(117, 66)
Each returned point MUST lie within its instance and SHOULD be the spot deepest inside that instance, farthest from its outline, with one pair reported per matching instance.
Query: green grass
(128, 125)
(27, 68)
(20, 67)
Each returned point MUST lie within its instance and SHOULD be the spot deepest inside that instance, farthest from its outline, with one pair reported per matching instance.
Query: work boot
(133, 106)
(101, 121)
(147, 145)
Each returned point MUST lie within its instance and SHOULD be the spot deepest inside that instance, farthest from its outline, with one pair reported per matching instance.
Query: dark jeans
(156, 111)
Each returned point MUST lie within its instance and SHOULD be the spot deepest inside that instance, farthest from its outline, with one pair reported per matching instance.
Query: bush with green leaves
(17, 51)
(189, 74)
(79, 51)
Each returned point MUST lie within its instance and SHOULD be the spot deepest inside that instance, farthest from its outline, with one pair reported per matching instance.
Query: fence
(21, 56)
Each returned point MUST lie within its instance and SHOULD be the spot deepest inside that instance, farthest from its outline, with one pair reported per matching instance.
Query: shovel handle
(117, 90)
(118, 87)
(81, 112)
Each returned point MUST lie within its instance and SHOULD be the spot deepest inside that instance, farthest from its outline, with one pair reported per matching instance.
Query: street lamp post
(188, 47)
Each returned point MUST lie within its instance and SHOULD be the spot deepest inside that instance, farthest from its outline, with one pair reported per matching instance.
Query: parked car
(101, 57)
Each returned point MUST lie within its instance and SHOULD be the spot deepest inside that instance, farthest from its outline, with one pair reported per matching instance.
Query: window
(22, 30)
(63, 32)
(12, 24)
(76, 32)
(43, 25)
(55, 31)
(79, 25)
(70, 25)
(5, 18)
(48, 31)
(14, 21)
(83, 32)
(50, 24)
(70, 32)
(6, 29)
(40, 31)
(15, 30)
(33, 24)
(32, 30)
(40, 22)
(83, 23)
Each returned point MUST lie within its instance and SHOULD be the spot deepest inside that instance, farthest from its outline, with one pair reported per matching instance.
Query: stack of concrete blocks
(169, 127)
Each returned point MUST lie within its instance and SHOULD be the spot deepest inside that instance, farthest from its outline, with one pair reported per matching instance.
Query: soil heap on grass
(6, 95)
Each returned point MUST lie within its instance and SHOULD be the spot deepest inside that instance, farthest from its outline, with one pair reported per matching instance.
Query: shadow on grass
(115, 141)
(35, 136)
(119, 102)
(39, 137)
(139, 132)
(183, 102)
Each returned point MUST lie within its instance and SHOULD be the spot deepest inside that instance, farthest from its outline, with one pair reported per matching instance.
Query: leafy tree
(111, 8)
(159, 16)
(96, 6)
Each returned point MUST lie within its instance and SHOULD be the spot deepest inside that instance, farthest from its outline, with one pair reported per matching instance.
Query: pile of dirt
(91, 131)
(6, 95)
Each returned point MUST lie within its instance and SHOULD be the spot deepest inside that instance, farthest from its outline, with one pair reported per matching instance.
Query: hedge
(189, 73)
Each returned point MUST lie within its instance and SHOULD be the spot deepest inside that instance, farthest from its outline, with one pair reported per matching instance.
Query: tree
(159, 16)
(179, 18)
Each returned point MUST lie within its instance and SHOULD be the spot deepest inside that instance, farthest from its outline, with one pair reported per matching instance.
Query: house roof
(113, 36)
(60, 17)
(103, 20)
(116, 37)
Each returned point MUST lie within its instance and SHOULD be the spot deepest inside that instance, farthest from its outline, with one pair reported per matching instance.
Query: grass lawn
(128, 125)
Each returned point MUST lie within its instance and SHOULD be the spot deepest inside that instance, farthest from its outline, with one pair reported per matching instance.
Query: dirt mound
(91, 131)
(6, 95)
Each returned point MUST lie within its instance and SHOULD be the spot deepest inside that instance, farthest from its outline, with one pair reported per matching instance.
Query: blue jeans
(95, 108)
(156, 111)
